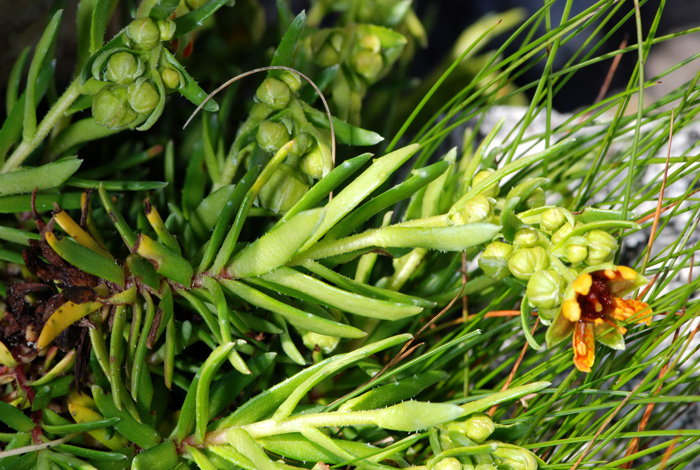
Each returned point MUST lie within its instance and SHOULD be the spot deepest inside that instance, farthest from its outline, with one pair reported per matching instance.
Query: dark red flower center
(598, 301)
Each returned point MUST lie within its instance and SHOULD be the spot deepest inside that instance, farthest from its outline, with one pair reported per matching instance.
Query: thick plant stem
(55, 113)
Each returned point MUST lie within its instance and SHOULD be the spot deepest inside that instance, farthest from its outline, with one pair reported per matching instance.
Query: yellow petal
(628, 308)
(571, 310)
(582, 284)
(584, 348)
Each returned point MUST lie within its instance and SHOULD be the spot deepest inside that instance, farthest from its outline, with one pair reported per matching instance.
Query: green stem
(55, 113)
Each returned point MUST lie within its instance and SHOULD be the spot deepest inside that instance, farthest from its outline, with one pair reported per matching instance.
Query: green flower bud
(576, 253)
(143, 33)
(315, 163)
(524, 262)
(171, 78)
(292, 80)
(526, 237)
(536, 199)
(167, 29)
(110, 108)
(516, 458)
(326, 343)
(272, 135)
(492, 190)
(477, 209)
(547, 314)
(368, 64)
(552, 219)
(326, 47)
(123, 68)
(143, 96)
(196, 3)
(371, 43)
(449, 463)
(274, 93)
(260, 111)
(284, 188)
(479, 427)
(544, 289)
(494, 260)
(562, 232)
(302, 142)
(601, 247)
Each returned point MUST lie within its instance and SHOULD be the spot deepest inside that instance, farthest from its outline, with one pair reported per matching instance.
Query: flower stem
(49, 121)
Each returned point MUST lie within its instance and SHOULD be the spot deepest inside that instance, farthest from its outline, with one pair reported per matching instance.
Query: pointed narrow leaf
(195, 18)
(166, 261)
(40, 52)
(86, 259)
(287, 278)
(276, 247)
(163, 9)
(360, 188)
(345, 133)
(62, 318)
(48, 176)
(284, 54)
(296, 317)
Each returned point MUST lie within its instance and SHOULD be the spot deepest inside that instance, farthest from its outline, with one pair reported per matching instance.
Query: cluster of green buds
(542, 247)
(135, 75)
(476, 443)
(277, 118)
(363, 53)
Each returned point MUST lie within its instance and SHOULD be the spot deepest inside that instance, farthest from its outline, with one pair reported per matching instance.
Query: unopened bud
(292, 80)
(167, 29)
(143, 96)
(371, 43)
(576, 254)
(601, 247)
(171, 78)
(524, 262)
(552, 219)
(284, 188)
(544, 289)
(326, 46)
(274, 93)
(110, 107)
(479, 427)
(449, 463)
(368, 64)
(562, 232)
(493, 189)
(494, 260)
(123, 68)
(272, 135)
(326, 343)
(143, 33)
(477, 209)
(526, 237)
(260, 111)
(193, 4)
(316, 163)
(536, 199)
(302, 142)
(516, 458)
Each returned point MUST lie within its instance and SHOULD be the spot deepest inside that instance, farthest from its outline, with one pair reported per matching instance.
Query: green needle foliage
(257, 291)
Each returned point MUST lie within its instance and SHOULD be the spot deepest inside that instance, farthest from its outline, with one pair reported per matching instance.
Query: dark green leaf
(40, 54)
(79, 132)
(190, 89)
(98, 25)
(163, 9)
(194, 19)
(44, 202)
(116, 185)
(13, 81)
(139, 433)
(284, 54)
(345, 133)
(47, 176)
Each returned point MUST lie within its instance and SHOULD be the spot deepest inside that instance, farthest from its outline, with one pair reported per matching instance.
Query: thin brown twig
(646, 218)
(608, 78)
(515, 367)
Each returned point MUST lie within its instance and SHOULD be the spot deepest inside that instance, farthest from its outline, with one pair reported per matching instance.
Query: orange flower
(592, 309)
